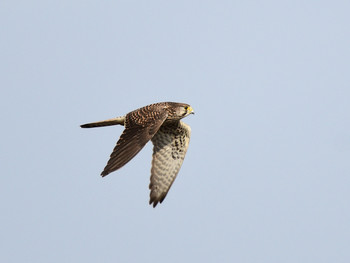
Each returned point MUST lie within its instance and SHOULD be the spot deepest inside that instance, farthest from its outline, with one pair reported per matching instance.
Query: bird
(161, 123)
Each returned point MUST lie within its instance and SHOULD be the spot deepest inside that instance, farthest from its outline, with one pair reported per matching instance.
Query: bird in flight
(161, 123)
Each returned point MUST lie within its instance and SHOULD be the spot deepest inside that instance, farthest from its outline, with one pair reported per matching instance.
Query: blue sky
(266, 176)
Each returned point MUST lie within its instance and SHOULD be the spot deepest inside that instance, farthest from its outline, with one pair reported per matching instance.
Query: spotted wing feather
(170, 146)
(140, 127)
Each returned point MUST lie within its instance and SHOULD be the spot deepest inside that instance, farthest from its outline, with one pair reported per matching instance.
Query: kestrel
(161, 123)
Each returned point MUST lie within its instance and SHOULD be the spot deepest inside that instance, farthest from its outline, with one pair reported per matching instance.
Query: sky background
(267, 174)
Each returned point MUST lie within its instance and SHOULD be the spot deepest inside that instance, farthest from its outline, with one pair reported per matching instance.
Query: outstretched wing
(170, 146)
(140, 127)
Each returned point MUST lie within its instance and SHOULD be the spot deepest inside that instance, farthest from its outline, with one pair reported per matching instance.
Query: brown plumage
(159, 122)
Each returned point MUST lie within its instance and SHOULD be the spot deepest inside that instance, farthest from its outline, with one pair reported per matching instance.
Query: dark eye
(186, 107)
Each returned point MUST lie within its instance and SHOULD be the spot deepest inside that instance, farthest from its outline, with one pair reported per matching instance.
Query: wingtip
(153, 203)
(104, 173)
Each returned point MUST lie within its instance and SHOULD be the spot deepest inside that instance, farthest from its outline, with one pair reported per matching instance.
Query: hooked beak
(190, 110)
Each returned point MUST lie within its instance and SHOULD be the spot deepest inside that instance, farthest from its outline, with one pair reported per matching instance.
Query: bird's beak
(190, 110)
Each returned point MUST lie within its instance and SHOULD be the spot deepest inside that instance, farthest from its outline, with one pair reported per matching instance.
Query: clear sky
(267, 174)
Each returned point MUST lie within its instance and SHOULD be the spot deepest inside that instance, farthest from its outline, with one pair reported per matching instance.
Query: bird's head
(179, 110)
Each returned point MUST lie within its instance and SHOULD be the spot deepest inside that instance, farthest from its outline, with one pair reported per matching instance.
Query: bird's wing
(170, 146)
(140, 127)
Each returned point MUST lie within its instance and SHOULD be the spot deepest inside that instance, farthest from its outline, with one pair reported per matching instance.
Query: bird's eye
(186, 107)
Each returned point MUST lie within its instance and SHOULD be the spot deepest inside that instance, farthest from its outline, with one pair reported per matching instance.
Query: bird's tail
(114, 121)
